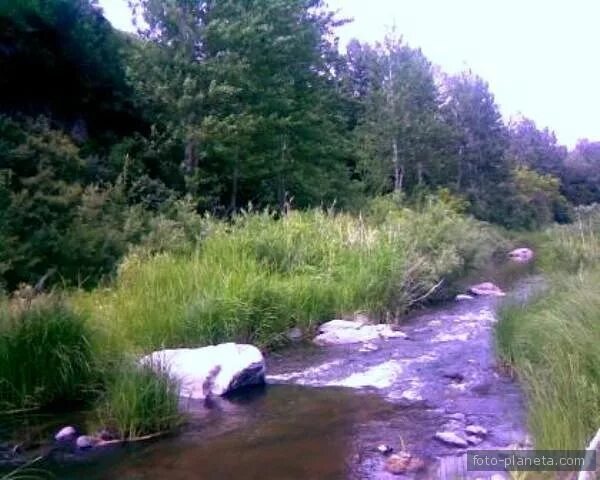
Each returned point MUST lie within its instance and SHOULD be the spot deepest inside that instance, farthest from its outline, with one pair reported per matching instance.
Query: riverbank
(251, 280)
(553, 343)
(325, 410)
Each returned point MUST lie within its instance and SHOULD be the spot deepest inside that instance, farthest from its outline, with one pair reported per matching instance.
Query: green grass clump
(554, 342)
(252, 279)
(139, 401)
(45, 354)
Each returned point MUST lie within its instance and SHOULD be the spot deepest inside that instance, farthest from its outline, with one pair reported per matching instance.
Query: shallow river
(325, 409)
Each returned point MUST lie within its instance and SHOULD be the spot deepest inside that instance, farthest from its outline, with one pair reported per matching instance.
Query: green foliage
(539, 200)
(259, 276)
(45, 354)
(139, 401)
(554, 342)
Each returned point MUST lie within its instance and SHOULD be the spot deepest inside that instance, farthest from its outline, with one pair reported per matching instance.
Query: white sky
(539, 56)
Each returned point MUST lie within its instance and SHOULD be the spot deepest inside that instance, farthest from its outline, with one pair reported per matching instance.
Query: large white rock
(487, 289)
(339, 332)
(213, 370)
(522, 255)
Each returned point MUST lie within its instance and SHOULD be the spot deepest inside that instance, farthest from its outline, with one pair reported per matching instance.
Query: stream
(325, 410)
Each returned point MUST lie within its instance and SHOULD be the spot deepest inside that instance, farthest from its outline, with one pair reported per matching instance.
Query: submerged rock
(476, 430)
(403, 463)
(463, 296)
(487, 289)
(84, 442)
(451, 438)
(65, 434)
(213, 370)
(474, 440)
(384, 449)
(521, 255)
(340, 332)
(368, 347)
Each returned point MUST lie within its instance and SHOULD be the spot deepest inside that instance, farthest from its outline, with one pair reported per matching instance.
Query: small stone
(403, 463)
(384, 449)
(65, 434)
(461, 417)
(487, 289)
(368, 347)
(476, 430)
(474, 440)
(451, 438)
(294, 334)
(454, 376)
(85, 441)
(463, 296)
(522, 255)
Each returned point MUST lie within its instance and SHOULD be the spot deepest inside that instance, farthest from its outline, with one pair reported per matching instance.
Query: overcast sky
(540, 57)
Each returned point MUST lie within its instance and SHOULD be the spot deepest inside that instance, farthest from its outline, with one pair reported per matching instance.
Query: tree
(581, 173)
(482, 171)
(534, 148)
(262, 121)
(399, 132)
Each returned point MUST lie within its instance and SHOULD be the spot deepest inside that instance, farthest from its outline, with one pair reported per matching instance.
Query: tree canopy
(236, 102)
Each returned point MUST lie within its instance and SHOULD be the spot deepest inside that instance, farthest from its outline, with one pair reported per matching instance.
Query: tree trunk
(234, 186)
(281, 193)
(460, 169)
(190, 162)
(398, 173)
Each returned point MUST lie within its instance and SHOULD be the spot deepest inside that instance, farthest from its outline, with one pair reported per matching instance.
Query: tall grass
(554, 342)
(253, 279)
(45, 354)
(139, 401)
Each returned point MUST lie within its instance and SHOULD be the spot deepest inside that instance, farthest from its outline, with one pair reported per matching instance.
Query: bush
(45, 355)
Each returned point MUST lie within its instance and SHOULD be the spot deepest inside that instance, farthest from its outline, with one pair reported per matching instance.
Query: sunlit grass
(139, 401)
(252, 280)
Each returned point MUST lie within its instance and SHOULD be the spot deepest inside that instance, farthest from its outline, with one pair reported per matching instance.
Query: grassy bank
(554, 342)
(247, 280)
(251, 280)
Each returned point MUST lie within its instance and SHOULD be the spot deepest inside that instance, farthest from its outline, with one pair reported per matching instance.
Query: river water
(325, 409)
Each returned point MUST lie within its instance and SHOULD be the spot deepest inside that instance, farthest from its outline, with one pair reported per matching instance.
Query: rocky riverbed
(409, 404)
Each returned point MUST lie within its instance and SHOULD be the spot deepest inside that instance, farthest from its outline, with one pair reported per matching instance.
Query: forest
(230, 173)
(216, 107)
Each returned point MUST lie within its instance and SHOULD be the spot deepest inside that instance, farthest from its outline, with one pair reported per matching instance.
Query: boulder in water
(451, 438)
(84, 442)
(213, 370)
(487, 289)
(521, 255)
(65, 434)
(340, 332)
